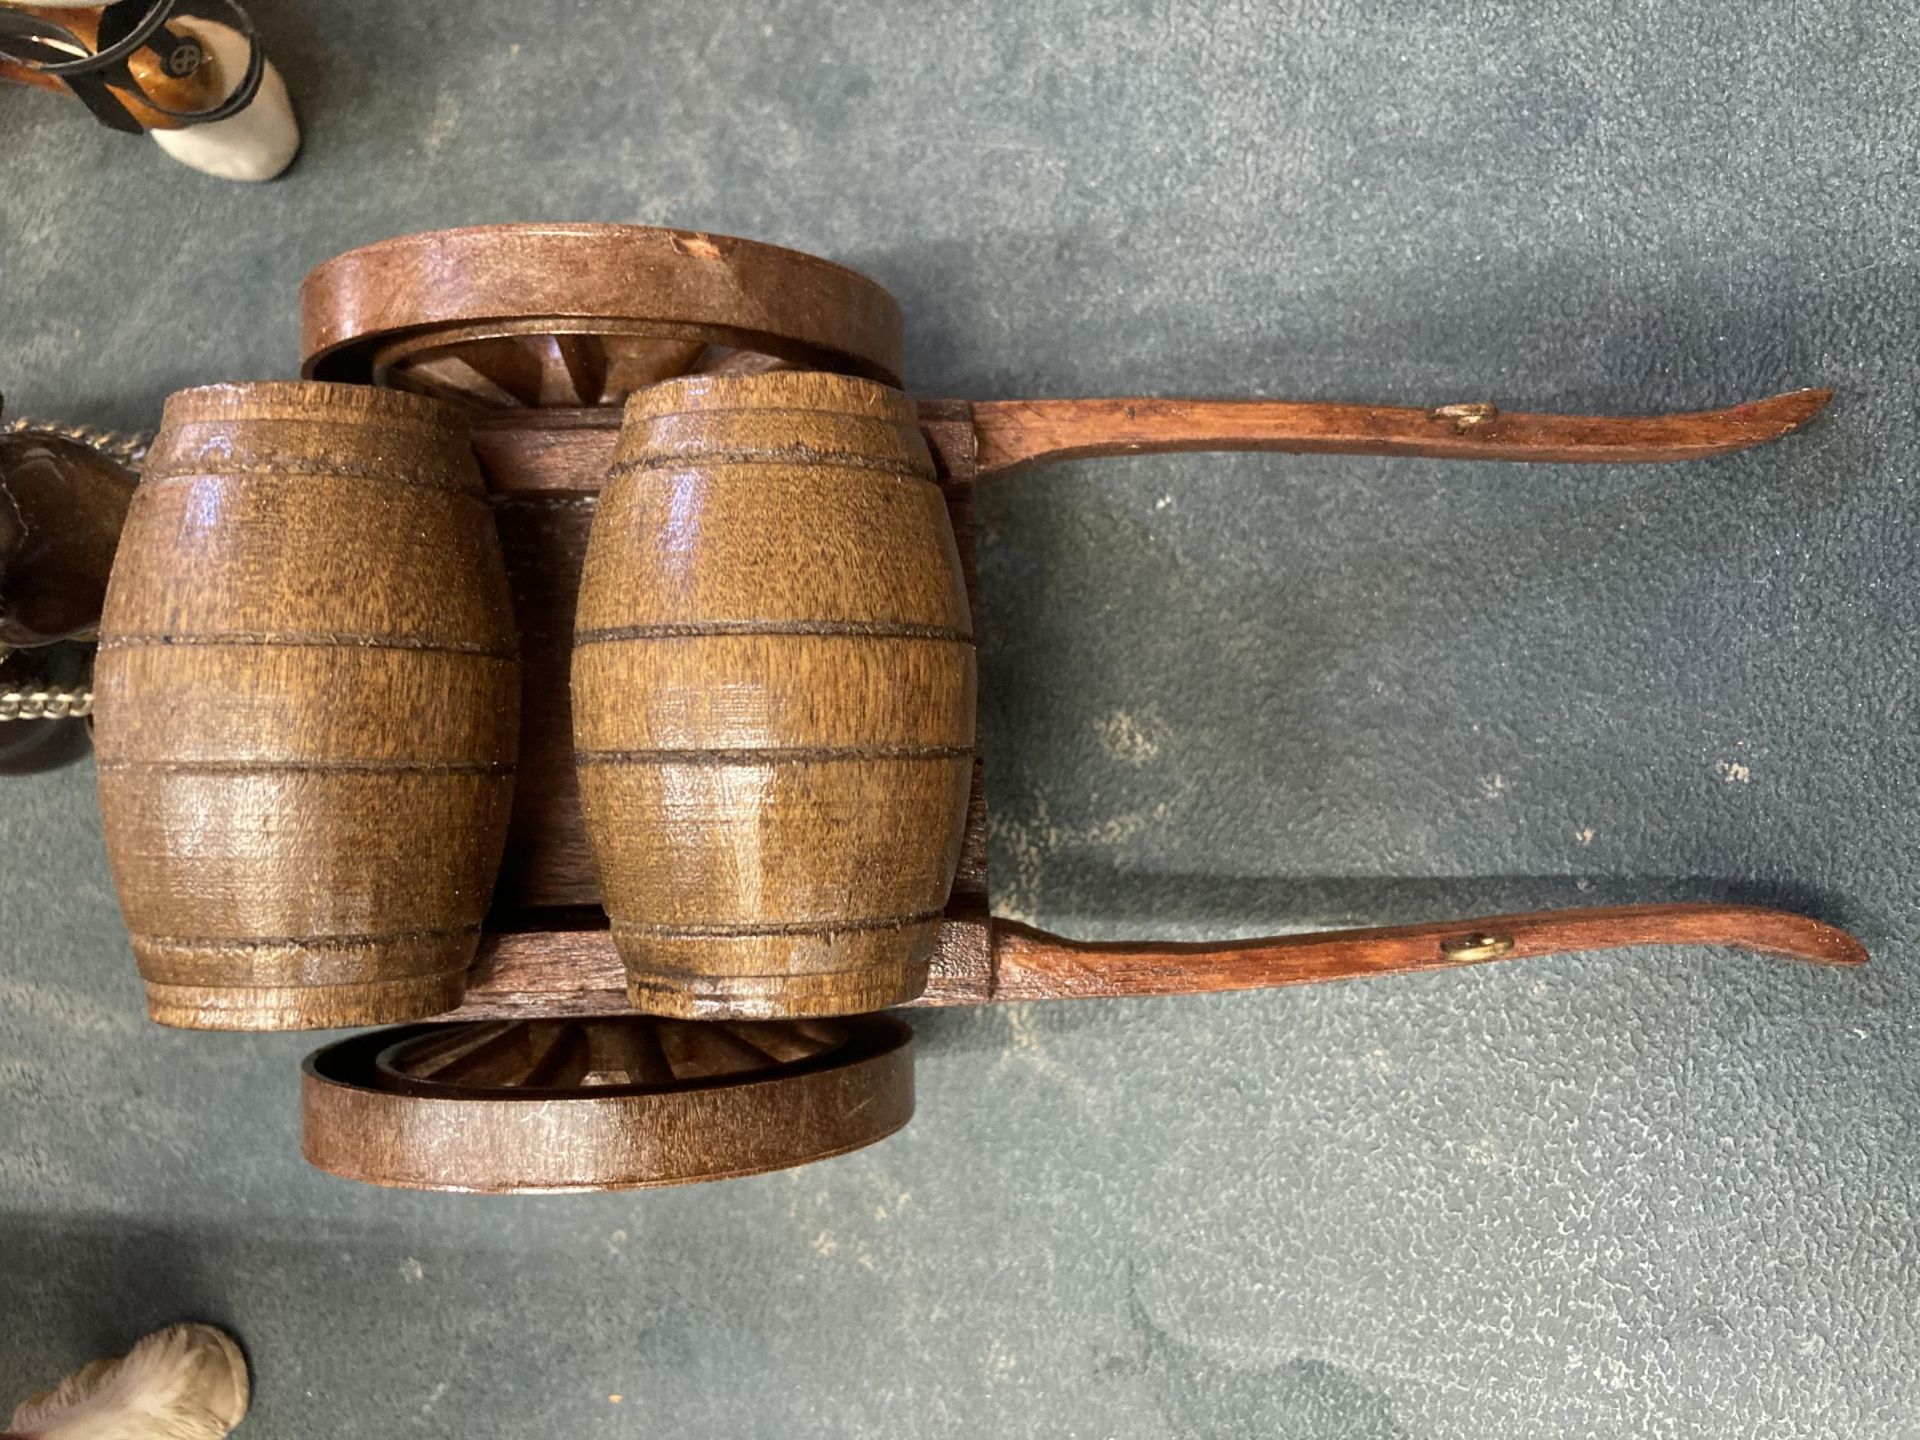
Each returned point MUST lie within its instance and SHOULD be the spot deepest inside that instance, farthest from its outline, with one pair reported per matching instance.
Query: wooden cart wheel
(511, 316)
(612, 1103)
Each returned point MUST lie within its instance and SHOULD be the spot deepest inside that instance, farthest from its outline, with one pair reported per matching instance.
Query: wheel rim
(500, 316)
(601, 1104)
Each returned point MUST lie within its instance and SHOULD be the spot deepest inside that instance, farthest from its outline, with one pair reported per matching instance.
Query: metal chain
(60, 702)
(128, 449)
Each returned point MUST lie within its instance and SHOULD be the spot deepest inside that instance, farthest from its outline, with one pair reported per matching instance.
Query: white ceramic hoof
(187, 1382)
(256, 144)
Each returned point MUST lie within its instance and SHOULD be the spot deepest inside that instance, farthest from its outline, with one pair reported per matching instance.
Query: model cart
(578, 666)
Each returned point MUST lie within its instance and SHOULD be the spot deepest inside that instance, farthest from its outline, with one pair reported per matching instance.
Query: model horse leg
(187, 1382)
(257, 143)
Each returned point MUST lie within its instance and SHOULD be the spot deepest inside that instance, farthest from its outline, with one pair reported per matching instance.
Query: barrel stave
(799, 548)
(307, 709)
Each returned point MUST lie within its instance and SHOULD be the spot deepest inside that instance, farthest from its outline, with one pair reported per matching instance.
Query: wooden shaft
(1013, 433)
(1030, 964)
(569, 454)
(577, 972)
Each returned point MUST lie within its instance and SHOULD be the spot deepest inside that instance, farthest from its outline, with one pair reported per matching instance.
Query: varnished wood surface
(1030, 964)
(615, 1104)
(558, 361)
(540, 313)
(546, 934)
(1015, 433)
(556, 970)
(544, 471)
(306, 708)
(568, 452)
(773, 697)
(578, 972)
(557, 454)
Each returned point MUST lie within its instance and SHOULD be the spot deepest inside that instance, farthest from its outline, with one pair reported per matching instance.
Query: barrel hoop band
(858, 629)
(318, 639)
(788, 455)
(907, 419)
(310, 767)
(343, 470)
(305, 942)
(701, 985)
(774, 755)
(220, 993)
(798, 927)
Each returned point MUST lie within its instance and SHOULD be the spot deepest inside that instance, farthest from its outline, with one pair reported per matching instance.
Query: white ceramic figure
(187, 1382)
(256, 144)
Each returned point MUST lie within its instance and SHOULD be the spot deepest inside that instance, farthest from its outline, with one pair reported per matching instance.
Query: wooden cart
(545, 1078)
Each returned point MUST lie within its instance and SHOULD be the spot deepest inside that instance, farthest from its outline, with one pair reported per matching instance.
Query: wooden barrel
(773, 697)
(306, 708)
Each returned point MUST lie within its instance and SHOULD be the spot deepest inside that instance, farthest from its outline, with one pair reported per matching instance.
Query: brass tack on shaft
(1477, 946)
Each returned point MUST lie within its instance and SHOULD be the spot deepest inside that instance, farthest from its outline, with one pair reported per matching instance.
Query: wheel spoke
(720, 360)
(778, 1040)
(637, 361)
(515, 364)
(584, 358)
(565, 1060)
(628, 1052)
(430, 1058)
(698, 1049)
(449, 378)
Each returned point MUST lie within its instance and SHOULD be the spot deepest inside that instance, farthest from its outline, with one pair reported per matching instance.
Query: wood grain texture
(1030, 964)
(577, 972)
(559, 315)
(1016, 433)
(773, 697)
(558, 361)
(544, 468)
(614, 1104)
(306, 709)
(547, 863)
(62, 507)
